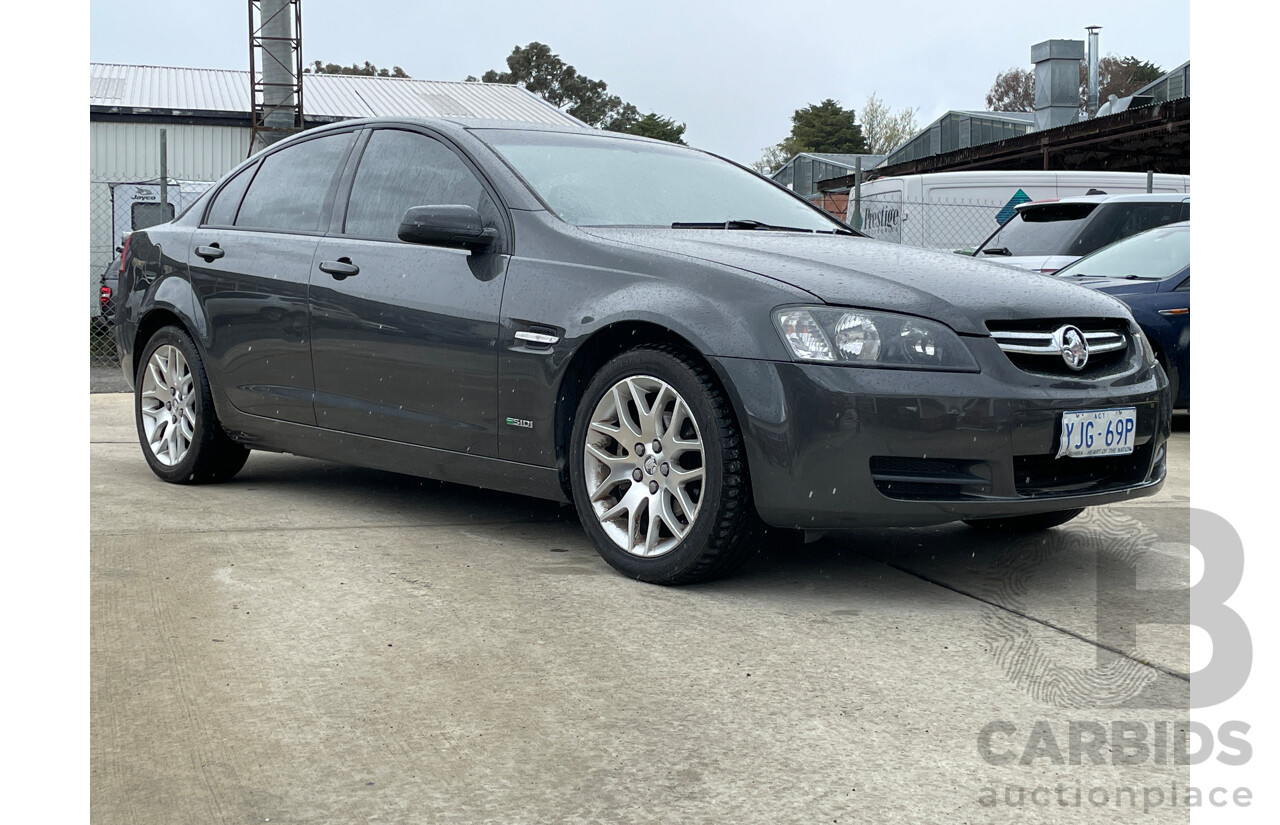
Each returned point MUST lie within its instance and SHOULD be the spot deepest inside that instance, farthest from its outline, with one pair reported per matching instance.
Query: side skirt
(392, 456)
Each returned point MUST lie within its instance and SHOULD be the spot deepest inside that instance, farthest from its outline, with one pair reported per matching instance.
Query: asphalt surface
(313, 643)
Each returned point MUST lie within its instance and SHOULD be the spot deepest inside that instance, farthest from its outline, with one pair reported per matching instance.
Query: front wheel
(1024, 524)
(658, 472)
(173, 408)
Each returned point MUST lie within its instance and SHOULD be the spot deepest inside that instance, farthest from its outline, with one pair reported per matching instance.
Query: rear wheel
(173, 408)
(657, 469)
(1024, 524)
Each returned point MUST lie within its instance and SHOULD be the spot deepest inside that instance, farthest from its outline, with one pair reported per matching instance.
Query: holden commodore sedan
(693, 356)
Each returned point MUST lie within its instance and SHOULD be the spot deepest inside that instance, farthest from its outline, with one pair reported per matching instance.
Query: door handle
(210, 252)
(339, 269)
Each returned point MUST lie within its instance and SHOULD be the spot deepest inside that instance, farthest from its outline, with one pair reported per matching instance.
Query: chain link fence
(117, 207)
(944, 225)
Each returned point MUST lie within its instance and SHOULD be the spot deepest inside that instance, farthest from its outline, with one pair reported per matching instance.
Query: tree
(541, 71)
(656, 126)
(826, 127)
(1013, 91)
(367, 70)
(773, 158)
(1119, 76)
(884, 129)
(819, 127)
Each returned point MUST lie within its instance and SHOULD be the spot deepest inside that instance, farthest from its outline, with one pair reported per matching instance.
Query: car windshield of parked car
(1154, 255)
(593, 180)
(1039, 230)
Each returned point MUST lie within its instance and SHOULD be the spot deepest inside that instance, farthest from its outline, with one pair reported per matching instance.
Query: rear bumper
(834, 447)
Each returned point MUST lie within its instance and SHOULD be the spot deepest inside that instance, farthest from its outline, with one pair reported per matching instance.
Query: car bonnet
(849, 271)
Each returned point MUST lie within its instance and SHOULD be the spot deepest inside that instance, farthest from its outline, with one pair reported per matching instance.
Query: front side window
(399, 170)
(289, 190)
(595, 180)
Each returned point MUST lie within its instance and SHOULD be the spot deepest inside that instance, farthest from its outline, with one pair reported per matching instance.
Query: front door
(404, 336)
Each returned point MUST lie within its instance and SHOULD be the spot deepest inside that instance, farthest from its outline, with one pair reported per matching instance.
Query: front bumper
(833, 446)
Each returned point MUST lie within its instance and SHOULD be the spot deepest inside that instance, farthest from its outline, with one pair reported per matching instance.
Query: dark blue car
(1151, 272)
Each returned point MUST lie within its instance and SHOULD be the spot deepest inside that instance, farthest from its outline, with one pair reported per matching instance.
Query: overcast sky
(732, 71)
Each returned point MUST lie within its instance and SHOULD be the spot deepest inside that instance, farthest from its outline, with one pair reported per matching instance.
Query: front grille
(928, 478)
(1036, 346)
(1045, 475)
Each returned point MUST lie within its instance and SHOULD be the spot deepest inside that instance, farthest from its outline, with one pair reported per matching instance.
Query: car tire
(178, 428)
(677, 511)
(1024, 524)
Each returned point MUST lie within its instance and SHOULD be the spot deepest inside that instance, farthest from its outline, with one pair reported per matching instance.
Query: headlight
(873, 339)
(1148, 351)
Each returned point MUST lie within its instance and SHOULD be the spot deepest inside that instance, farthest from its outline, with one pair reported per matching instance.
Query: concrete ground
(313, 643)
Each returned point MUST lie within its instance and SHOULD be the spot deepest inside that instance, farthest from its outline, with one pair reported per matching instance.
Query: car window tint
(1042, 230)
(289, 190)
(222, 212)
(143, 215)
(403, 169)
(1120, 220)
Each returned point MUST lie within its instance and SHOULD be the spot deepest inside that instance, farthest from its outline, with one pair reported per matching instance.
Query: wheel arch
(602, 346)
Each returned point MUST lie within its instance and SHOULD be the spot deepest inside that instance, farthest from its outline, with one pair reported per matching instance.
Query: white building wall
(130, 151)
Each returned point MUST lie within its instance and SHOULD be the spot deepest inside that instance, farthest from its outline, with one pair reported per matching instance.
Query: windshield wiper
(1141, 278)
(737, 223)
(998, 250)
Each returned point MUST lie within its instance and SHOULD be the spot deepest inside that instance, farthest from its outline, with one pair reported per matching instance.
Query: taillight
(124, 251)
(104, 295)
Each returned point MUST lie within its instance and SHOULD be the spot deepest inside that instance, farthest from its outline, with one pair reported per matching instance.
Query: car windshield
(1039, 230)
(1156, 254)
(595, 180)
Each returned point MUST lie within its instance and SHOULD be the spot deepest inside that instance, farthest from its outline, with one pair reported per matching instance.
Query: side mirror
(452, 225)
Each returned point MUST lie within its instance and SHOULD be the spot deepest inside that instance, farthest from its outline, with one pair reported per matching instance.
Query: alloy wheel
(168, 405)
(644, 466)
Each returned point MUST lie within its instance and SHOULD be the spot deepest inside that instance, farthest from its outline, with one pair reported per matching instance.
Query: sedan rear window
(1042, 230)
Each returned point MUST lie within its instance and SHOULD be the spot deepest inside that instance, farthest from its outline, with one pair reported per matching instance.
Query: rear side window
(289, 190)
(1120, 220)
(222, 212)
(1042, 230)
(403, 169)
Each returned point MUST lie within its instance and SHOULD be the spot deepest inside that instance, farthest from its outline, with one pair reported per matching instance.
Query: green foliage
(821, 127)
(367, 70)
(654, 125)
(826, 127)
(541, 71)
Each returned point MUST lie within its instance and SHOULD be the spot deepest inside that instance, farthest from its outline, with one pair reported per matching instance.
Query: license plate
(1091, 433)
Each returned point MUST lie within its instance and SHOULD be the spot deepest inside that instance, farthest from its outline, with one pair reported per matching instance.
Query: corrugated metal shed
(802, 173)
(126, 89)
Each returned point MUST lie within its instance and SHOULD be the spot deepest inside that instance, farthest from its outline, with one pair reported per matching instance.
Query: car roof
(1142, 197)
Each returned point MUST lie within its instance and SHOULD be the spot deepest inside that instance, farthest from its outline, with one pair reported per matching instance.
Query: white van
(956, 211)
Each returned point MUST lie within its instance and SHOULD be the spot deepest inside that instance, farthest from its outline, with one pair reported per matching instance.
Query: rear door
(249, 264)
(406, 348)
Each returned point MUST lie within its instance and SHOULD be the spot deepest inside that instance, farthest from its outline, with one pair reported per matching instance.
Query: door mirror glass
(449, 225)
